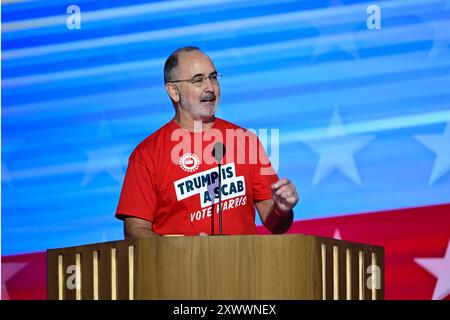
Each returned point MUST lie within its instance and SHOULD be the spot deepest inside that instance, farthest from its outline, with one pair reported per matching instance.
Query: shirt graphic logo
(189, 162)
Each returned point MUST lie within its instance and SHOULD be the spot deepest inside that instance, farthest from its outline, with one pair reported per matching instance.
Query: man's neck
(191, 124)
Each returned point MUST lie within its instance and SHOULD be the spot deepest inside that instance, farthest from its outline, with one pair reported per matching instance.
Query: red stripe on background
(29, 283)
(405, 234)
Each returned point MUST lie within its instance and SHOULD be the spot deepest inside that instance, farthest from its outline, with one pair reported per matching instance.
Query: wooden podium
(220, 268)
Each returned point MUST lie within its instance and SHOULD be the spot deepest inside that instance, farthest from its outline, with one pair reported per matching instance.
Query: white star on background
(9, 270)
(440, 145)
(440, 39)
(337, 235)
(105, 158)
(109, 160)
(345, 42)
(336, 152)
(440, 268)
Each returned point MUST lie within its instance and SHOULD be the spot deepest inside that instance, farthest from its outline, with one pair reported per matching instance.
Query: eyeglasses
(200, 81)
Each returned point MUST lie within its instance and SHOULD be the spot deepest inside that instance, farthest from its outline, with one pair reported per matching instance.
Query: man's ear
(172, 91)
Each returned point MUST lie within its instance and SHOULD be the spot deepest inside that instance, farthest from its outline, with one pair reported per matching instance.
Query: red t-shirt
(172, 180)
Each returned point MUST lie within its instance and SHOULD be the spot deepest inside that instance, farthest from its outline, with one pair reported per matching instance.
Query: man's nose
(210, 87)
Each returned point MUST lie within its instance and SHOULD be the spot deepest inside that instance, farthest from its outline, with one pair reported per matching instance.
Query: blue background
(362, 114)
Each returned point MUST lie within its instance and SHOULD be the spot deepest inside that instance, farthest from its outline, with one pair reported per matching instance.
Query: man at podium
(199, 174)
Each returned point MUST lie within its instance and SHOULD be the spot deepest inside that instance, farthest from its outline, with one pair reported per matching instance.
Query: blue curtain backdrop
(363, 113)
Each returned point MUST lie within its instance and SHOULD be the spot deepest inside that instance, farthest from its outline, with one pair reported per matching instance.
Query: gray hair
(172, 62)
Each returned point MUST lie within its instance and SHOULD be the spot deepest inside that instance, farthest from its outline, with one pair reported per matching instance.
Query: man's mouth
(208, 99)
(209, 102)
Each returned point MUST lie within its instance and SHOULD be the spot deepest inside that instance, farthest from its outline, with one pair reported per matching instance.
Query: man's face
(199, 101)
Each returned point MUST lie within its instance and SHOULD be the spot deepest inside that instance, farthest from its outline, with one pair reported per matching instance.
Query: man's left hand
(284, 195)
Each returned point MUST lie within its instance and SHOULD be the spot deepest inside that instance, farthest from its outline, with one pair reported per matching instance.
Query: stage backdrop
(360, 93)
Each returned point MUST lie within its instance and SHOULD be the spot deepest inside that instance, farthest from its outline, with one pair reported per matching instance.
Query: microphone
(218, 152)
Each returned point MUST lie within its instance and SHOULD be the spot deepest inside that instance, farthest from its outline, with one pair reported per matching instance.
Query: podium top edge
(129, 242)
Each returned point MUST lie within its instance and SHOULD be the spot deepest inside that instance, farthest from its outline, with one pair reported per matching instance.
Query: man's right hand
(135, 228)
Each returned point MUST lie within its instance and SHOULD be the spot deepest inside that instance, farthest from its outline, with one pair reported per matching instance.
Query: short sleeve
(138, 196)
(263, 175)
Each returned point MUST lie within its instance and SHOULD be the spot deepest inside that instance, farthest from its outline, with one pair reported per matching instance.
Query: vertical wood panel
(323, 251)
(201, 286)
(86, 274)
(52, 275)
(355, 273)
(375, 276)
(95, 275)
(131, 271)
(79, 276)
(368, 275)
(122, 272)
(336, 273)
(361, 275)
(145, 259)
(69, 274)
(348, 274)
(342, 271)
(114, 285)
(329, 270)
(380, 258)
(61, 277)
(104, 270)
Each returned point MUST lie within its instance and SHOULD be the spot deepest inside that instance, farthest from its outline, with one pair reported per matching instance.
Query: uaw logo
(189, 162)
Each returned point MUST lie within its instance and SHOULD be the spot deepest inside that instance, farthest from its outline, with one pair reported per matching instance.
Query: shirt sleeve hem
(121, 215)
(263, 197)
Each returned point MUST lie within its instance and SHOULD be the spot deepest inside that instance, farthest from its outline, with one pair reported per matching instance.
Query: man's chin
(204, 113)
(208, 117)
(209, 112)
